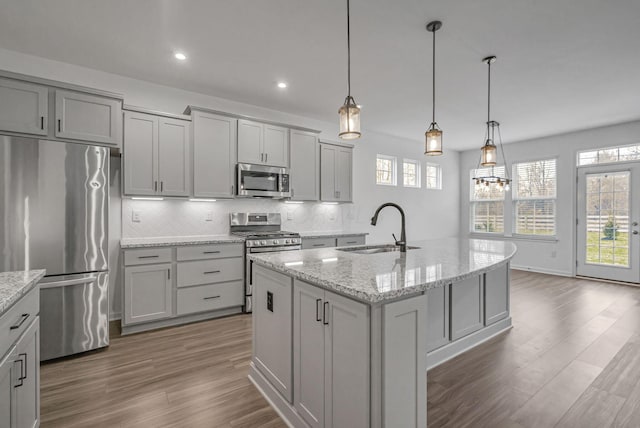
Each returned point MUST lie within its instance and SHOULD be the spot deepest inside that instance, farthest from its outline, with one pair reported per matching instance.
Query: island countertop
(14, 285)
(374, 278)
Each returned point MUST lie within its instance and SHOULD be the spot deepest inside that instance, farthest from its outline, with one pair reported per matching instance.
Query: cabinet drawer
(210, 297)
(216, 251)
(310, 243)
(15, 321)
(147, 256)
(351, 240)
(209, 271)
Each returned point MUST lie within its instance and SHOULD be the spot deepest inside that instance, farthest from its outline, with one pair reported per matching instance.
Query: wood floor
(571, 360)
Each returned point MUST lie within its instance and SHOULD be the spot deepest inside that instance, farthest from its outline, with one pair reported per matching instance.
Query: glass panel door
(608, 240)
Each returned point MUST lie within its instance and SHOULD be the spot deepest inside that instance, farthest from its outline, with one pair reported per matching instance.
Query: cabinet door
(438, 317)
(174, 157)
(214, 159)
(250, 142)
(275, 145)
(28, 393)
(328, 156)
(496, 294)
(308, 359)
(272, 329)
(305, 163)
(147, 293)
(311, 243)
(346, 362)
(23, 107)
(466, 307)
(88, 118)
(343, 171)
(8, 378)
(140, 154)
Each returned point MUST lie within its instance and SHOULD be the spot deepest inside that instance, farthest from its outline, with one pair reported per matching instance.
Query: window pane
(385, 170)
(411, 173)
(488, 217)
(535, 179)
(433, 173)
(609, 154)
(535, 217)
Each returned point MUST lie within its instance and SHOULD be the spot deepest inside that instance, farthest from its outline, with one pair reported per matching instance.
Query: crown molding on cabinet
(145, 110)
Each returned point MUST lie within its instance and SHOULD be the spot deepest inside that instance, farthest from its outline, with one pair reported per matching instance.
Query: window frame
(394, 169)
(438, 177)
(515, 199)
(418, 173)
(473, 172)
(597, 151)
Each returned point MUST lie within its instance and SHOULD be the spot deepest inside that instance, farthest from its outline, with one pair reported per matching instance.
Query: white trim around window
(386, 170)
(433, 176)
(411, 173)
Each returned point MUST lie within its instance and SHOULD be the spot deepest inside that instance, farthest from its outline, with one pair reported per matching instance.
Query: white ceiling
(562, 64)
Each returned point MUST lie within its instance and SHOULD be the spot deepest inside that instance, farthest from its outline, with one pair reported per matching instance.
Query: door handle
(59, 125)
(635, 232)
(155, 186)
(635, 223)
(325, 320)
(318, 318)
(41, 122)
(266, 157)
(20, 378)
(161, 186)
(26, 365)
(17, 325)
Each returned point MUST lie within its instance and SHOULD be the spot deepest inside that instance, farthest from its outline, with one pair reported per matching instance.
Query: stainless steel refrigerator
(55, 216)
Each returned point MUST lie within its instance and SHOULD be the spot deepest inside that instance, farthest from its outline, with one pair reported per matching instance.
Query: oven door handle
(274, 249)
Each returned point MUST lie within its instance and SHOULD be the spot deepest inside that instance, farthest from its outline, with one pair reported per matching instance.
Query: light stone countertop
(336, 233)
(170, 241)
(14, 285)
(375, 278)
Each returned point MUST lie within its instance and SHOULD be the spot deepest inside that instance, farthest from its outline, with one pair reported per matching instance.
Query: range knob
(275, 242)
(288, 241)
(263, 242)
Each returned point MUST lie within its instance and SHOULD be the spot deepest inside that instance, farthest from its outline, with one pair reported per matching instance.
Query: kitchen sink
(375, 249)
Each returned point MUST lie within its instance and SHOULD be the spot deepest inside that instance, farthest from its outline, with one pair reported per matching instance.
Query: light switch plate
(135, 216)
(289, 215)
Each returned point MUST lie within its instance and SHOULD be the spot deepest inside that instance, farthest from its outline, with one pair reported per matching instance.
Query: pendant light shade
(489, 154)
(349, 120)
(433, 136)
(349, 112)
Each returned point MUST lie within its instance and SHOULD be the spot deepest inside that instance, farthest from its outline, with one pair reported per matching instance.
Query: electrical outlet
(208, 216)
(289, 215)
(135, 216)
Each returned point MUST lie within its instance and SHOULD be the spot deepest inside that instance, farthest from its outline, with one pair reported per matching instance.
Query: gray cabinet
(263, 144)
(467, 307)
(311, 243)
(156, 155)
(336, 169)
(7, 389)
(88, 117)
(272, 328)
(496, 295)
(23, 107)
(214, 155)
(331, 355)
(345, 241)
(305, 166)
(147, 293)
(438, 317)
(28, 387)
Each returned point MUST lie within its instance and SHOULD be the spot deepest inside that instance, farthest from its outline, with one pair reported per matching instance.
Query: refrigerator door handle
(67, 282)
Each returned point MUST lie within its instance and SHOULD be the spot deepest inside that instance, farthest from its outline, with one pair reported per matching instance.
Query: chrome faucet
(403, 237)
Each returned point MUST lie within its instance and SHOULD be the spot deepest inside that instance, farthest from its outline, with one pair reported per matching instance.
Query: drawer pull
(26, 364)
(17, 325)
(148, 257)
(352, 242)
(211, 252)
(210, 297)
(318, 245)
(20, 378)
(211, 271)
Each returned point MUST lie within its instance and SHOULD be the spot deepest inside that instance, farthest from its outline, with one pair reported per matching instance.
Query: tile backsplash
(143, 218)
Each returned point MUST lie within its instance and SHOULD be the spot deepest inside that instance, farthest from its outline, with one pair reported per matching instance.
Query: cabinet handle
(232, 193)
(261, 157)
(325, 320)
(20, 378)
(168, 273)
(211, 252)
(352, 242)
(148, 257)
(17, 325)
(41, 122)
(210, 297)
(155, 186)
(26, 365)
(266, 157)
(59, 125)
(318, 310)
(210, 272)
(161, 186)
(318, 245)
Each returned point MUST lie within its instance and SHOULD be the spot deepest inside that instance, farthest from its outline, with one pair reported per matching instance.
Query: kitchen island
(344, 337)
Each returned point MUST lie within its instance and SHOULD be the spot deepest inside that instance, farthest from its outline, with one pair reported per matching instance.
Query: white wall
(430, 213)
(549, 256)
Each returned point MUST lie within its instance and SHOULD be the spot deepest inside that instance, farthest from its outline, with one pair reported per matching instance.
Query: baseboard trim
(171, 322)
(283, 408)
(460, 346)
(542, 270)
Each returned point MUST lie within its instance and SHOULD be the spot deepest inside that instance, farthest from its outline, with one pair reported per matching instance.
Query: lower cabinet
(438, 317)
(332, 241)
(8, 390)
(331, 358)
(467, 307)
(147, 293)
(496, 295)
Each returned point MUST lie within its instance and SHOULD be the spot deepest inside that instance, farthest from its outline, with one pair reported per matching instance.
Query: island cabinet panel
(23, 107)
(467, 307)
(8, 369)
(28, 387)
(496, 295)
(272, 328)
(147, 293)
(438, 317)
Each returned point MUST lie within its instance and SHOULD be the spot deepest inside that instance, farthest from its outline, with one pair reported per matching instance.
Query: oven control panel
(272, 242)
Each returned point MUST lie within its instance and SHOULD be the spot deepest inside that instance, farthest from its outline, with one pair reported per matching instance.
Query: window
(534, 198)
(386, 170)
(487, 203)
(609, 155)
(411, 173)
(433, 173)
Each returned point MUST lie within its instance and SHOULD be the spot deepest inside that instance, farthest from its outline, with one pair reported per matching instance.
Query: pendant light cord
(348, 51)
(433, 76)
(488, 97)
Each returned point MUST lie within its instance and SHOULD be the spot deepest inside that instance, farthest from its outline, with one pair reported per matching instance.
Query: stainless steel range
(262, 235)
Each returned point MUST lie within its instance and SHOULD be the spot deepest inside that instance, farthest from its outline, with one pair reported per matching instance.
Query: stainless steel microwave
(263, 181)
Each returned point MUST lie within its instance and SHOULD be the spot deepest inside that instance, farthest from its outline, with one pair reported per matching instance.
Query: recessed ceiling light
(282, 85)
(180, 56)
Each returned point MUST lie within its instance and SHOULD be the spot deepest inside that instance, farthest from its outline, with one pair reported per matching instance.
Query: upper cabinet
(156, 155)
(263, 144)
(88, 118)
(41, 108)
(23, 107)
(336, 169)
(305, 166)
(214, 155)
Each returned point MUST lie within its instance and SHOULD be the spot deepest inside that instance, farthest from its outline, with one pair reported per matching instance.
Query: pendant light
(489, 152)
(433, 136)
(349, 112)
